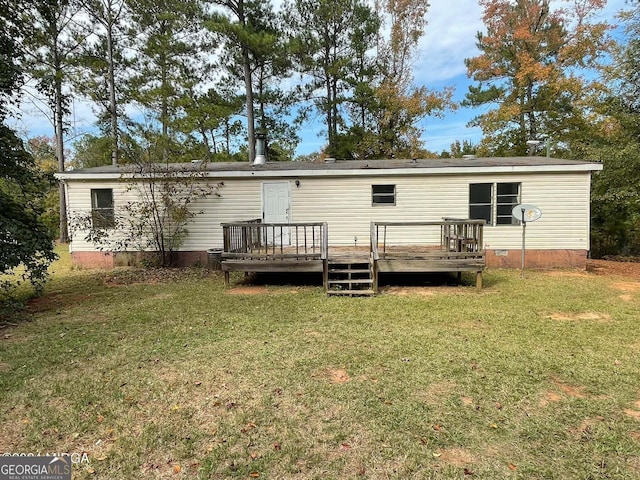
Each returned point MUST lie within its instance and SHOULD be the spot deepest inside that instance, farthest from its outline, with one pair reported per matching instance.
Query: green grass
(171, 376)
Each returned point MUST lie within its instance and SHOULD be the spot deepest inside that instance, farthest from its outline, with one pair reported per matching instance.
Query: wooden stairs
(350, 276)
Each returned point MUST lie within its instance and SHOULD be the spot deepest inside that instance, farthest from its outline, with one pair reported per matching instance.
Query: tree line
(173, 81)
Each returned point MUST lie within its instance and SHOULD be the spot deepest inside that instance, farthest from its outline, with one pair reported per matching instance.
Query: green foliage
(615, 195)
(26, 244)
(167, 38)
(459, 150)
(533, 73)
(92, 151)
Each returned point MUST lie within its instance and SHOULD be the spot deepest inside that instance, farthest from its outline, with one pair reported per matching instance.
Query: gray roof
(352, 165)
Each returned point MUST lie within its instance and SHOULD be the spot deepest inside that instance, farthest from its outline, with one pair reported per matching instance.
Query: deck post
(325, 274)
(226, 278)
(374, 271)
(479, 279)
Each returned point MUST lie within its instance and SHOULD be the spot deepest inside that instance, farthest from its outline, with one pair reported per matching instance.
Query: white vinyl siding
(346, 204)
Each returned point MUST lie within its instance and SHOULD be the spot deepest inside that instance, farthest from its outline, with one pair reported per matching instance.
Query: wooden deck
(449, 246)
(460, 248)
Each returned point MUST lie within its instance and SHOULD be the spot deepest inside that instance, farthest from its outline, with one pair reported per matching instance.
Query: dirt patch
(458, 457)
(4, 367)
(575, 391)
(549, 397)
(248, 290)
(339, 375)
(409, 291)
(627, 289)
(632, 413)
(611, 268)
(567, 273)
(627, 286)
(575, 317)
(55, 302)
(436, 392)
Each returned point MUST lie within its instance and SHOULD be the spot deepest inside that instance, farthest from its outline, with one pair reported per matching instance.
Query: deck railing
(254, 240)
(459, 238)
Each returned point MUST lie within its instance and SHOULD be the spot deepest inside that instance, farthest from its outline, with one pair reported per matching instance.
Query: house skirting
(537, 259)
(127, 259)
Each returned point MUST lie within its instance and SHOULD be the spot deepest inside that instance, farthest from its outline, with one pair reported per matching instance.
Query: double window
(494, 202)
(383, 195)
(102, 215)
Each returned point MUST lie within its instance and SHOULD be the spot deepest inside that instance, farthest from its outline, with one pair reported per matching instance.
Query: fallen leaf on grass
(345, 446)
(249, 426)
(468, 472)
(253, 455)
(277, 446)
(177, 469)
(254, 474)
(513, 467)
(100, 419)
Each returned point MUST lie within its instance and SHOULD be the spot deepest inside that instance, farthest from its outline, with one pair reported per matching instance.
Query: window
(480, 201)
(102, 208)
(383, 194)
(508, 195)
(494, 202)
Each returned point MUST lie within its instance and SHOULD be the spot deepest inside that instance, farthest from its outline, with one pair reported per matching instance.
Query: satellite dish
(526, 212)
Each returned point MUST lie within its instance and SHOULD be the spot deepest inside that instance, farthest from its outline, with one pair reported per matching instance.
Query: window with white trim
(383, 195)
(494, 202)
(102, 215)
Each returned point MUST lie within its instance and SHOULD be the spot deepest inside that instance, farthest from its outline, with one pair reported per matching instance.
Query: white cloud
(449, 38)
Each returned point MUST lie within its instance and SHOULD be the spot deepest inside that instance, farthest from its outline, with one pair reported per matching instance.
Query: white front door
(276, 208)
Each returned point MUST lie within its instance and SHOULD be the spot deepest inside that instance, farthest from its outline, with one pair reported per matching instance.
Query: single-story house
(350, 196)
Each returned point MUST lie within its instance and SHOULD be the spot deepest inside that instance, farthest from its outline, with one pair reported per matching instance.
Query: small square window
(102, 215)
(383, 194)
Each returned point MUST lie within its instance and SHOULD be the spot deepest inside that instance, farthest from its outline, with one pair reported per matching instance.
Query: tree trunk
(250, 114)
(58, 130)
(113, 106)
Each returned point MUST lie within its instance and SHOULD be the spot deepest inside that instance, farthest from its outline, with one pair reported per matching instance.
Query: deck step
(352, 270)
(349, 277)
(354, 281)
(352, 293)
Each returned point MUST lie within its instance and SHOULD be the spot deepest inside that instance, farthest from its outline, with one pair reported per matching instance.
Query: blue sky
(449, 39)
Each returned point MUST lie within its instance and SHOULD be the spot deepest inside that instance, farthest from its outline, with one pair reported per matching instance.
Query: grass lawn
(172, 376)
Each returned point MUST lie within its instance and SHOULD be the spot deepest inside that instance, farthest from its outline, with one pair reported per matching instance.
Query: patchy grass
(169, 375)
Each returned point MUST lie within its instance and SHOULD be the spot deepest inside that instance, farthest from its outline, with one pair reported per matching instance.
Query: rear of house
(350, 195)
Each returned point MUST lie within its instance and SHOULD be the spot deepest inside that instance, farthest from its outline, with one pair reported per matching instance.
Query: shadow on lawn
(385, 280)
